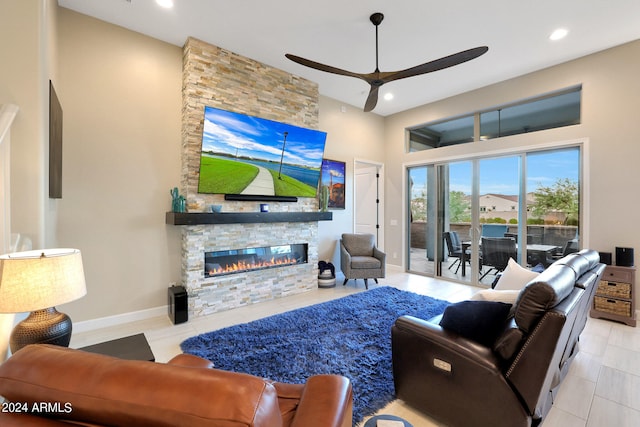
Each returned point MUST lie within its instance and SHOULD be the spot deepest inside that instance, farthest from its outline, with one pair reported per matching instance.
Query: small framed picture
(333, 177)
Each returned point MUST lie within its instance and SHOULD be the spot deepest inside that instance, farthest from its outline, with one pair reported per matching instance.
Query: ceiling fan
(378, 78)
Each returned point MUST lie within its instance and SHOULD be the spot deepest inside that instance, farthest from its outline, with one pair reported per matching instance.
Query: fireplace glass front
(220, 263)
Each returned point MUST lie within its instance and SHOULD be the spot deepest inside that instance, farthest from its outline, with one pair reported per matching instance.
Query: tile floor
(602, 388)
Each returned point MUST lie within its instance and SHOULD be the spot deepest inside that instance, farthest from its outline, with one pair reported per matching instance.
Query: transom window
(550, 111)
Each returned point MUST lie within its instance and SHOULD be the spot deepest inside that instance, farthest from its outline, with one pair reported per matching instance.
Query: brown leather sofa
(61, 386)
(512, 382)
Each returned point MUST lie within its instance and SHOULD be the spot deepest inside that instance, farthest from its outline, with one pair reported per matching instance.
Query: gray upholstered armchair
(360, 258)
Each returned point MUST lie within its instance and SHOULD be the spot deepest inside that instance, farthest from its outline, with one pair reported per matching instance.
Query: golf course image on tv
(243, 154)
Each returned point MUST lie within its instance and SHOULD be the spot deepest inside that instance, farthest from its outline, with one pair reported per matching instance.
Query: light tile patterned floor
(602, 388)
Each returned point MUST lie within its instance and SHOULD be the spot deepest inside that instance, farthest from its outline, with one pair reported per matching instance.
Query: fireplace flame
(254, 265)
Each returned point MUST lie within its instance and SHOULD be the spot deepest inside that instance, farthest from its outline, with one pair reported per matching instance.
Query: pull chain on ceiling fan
(378, 78)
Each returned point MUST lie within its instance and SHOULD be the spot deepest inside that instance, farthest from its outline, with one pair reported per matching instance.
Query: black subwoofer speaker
(178, 304)
(624, 257)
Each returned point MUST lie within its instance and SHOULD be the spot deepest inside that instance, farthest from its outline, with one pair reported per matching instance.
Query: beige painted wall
(121, 95)
(24, 81)
(26, 34)
(610, 104)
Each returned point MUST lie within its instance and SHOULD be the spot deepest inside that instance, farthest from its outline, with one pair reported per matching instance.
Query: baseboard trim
(119, 319)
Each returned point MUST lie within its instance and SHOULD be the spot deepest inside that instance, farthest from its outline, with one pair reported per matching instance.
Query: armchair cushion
(480, 321)
(359, 244)
(365, 262)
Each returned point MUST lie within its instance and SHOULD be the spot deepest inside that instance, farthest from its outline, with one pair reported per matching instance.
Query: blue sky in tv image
(240, 135)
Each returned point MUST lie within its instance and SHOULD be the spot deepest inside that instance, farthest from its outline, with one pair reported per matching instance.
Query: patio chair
(496, 252)
(360, 258)
(494, 230)
(454, 247)
(569, 247)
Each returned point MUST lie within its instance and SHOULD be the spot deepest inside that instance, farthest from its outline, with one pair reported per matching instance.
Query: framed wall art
(332, 184)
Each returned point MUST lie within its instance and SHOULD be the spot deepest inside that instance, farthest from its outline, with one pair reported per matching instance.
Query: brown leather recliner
(512, 382)
(60, 386)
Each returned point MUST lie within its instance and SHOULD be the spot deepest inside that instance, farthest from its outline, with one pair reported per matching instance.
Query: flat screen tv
(246, 155)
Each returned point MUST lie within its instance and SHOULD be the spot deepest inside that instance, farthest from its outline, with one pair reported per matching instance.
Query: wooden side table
(615, 296)
(134, 347)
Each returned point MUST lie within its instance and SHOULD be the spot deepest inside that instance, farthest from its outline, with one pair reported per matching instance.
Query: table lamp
(37, 281)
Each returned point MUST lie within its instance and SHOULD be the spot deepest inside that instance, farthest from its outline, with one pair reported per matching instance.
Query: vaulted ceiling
(339, 33)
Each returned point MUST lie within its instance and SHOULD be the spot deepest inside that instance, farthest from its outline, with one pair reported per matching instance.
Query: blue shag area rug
(349, 336)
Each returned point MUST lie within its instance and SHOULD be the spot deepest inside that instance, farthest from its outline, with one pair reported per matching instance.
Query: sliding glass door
(456, 189)
(529, 201)
(499, 213)
(554, 216)
(422, 219)
(440, 220)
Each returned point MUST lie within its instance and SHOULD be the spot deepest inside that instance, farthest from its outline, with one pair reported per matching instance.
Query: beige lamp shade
(35, 280)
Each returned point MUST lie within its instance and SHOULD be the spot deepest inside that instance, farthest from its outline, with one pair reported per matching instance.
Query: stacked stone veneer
(218, 78)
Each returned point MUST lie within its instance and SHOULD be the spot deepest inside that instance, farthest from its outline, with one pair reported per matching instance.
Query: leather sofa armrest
(448, 343)
(190, 361)
(453, 379)
(326, 401)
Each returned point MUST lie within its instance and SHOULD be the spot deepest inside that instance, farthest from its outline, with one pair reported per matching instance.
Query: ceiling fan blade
(378, 78)
(322, 67)
(438, 64)
(372, 99)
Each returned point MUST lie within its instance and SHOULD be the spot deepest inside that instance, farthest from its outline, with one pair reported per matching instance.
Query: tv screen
(249, 155)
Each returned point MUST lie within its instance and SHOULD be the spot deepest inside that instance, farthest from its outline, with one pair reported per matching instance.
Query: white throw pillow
(515, 277)
(508, 296)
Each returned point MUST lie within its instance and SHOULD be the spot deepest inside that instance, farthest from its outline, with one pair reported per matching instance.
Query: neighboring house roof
(501, 196)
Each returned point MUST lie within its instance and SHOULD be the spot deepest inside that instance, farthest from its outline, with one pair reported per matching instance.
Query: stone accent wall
(218, 78)
(209, 295)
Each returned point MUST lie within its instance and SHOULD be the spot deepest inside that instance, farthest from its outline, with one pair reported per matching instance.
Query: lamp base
(47, 326)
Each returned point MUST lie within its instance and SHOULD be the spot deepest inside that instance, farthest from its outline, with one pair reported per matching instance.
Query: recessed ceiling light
(558, 34)
(388, 96)
(167, 4)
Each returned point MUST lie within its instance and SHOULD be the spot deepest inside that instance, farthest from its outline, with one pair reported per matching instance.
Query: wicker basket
(614, 289)
(614, 306)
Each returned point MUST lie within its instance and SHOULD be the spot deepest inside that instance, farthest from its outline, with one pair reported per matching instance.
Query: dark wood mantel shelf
(196, 218)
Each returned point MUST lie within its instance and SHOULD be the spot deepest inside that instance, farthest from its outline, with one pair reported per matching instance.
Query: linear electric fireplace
(221, 263)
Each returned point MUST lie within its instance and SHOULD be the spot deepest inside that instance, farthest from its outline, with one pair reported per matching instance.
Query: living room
(122, 100)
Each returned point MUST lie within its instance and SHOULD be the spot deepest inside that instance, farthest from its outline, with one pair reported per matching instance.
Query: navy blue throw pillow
(480, 321)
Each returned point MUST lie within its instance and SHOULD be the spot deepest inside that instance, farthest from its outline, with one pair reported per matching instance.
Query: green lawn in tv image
(225, 176)
(233, 177)
(248, 155)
